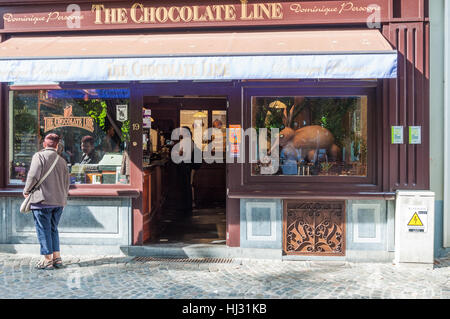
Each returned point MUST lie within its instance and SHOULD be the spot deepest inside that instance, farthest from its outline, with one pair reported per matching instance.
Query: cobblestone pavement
(123, 277)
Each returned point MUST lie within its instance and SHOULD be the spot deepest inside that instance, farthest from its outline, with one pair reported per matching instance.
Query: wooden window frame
(86, 190)
(319, 184)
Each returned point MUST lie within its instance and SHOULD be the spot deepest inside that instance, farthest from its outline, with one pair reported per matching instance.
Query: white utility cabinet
(414, 227)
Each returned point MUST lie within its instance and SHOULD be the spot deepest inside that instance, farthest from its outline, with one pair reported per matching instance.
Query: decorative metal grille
(314, 228)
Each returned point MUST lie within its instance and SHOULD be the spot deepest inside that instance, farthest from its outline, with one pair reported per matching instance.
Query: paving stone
(122, 277)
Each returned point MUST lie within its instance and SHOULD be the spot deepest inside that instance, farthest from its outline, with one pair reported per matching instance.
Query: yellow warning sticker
(415, 221)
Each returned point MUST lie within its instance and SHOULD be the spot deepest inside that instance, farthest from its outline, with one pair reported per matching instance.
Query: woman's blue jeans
(46, 221)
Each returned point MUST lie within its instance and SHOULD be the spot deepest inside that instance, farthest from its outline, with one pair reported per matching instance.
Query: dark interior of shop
(192, 207)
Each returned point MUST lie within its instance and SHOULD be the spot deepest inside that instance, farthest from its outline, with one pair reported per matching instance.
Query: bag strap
(46, 174)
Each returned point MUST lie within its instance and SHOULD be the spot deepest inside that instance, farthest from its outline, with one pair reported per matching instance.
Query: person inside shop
(111, 142)
(89, 155)
(184, 173)
(66, 154)
(217, 143)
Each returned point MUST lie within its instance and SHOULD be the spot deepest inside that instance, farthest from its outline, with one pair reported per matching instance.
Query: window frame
(284, 183)
(76, 189)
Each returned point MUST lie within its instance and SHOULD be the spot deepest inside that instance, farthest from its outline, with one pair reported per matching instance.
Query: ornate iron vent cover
(314, 228)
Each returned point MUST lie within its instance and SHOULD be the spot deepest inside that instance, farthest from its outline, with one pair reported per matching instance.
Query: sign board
(397, 135)
(68, 120)
(234, 137)
(415, 135)
(180, 14)
(417, 219)
(234, 134)
(235, 150)
(147, 118)
(122, 112)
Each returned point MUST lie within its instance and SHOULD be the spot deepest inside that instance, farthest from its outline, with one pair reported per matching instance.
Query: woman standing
(49, 199)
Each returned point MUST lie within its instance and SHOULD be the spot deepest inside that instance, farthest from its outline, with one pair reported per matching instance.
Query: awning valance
(344, 54)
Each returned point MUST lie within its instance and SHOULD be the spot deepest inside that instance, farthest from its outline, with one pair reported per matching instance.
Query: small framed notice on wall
(234, 134)
(415, 135)
(122, 112)
(234, 137)
(397, 135)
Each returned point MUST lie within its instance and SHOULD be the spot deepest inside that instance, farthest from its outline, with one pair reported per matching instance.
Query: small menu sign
(415, 135)
(397, 135)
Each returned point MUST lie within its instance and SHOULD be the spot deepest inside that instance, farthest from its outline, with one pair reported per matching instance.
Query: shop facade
(344, 82)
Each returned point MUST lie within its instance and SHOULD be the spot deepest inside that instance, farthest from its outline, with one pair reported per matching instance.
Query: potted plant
(325, 168)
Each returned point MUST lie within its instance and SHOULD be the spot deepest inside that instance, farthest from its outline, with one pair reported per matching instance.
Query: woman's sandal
(45, 265)
(57, 263)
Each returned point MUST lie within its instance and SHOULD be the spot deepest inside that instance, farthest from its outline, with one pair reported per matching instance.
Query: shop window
(93, 124)
(317, 136)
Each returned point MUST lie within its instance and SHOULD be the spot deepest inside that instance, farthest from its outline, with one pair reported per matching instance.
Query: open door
(192, 207)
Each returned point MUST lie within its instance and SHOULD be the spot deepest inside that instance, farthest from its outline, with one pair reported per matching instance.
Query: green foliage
(267, 117)
(95, 109)
(24, 119)
(326, 166)
(274, 118)
(331, 114)
(125, 131)
(360, 148)
(25, 123)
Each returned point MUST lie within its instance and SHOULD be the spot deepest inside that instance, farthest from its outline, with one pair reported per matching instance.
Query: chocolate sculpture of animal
(313, 137)
(309, 139)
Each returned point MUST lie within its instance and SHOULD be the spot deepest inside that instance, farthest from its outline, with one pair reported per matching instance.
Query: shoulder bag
(26, 205)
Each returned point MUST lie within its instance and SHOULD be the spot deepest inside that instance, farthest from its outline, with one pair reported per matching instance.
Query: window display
(93, 125)
(318, 136)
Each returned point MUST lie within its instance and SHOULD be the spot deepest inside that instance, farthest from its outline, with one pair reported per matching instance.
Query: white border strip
(354, 66)
(446, 208)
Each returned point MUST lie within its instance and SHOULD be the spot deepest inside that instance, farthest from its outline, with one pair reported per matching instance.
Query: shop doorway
(193, 196)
